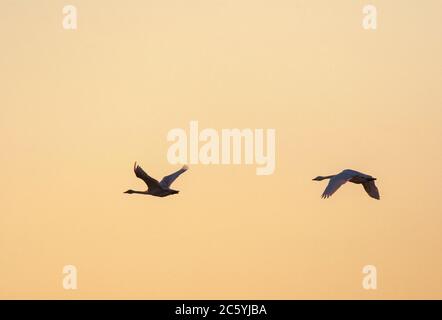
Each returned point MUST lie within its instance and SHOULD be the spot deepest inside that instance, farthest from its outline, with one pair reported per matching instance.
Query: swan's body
(353, 176)
(155, 188)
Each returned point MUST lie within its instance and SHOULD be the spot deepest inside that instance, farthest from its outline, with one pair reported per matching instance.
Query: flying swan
(155, 188)
(349, 175)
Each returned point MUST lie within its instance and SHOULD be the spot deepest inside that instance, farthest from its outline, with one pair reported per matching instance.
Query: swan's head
(130, 191)
(318, 178)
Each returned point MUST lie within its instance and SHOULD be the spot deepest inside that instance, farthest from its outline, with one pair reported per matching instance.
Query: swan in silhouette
(155, 188)
(338, 180)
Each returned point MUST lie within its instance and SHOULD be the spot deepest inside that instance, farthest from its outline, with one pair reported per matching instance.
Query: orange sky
(79, 107)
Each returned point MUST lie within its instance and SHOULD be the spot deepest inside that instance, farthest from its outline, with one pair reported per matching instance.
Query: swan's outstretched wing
(371, 189)
(151, 182)
(337, 181)
(168, 180)
(334, 184)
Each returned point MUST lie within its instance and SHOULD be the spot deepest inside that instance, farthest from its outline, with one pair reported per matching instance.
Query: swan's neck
(328, 177)
(139, 192)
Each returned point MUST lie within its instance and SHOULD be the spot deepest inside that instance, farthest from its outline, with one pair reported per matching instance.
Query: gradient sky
(77, 108)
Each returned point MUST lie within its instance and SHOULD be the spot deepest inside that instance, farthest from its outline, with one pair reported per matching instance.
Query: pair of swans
(162, 188)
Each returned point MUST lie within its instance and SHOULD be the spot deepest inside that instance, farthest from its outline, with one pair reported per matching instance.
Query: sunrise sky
(78, 107)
